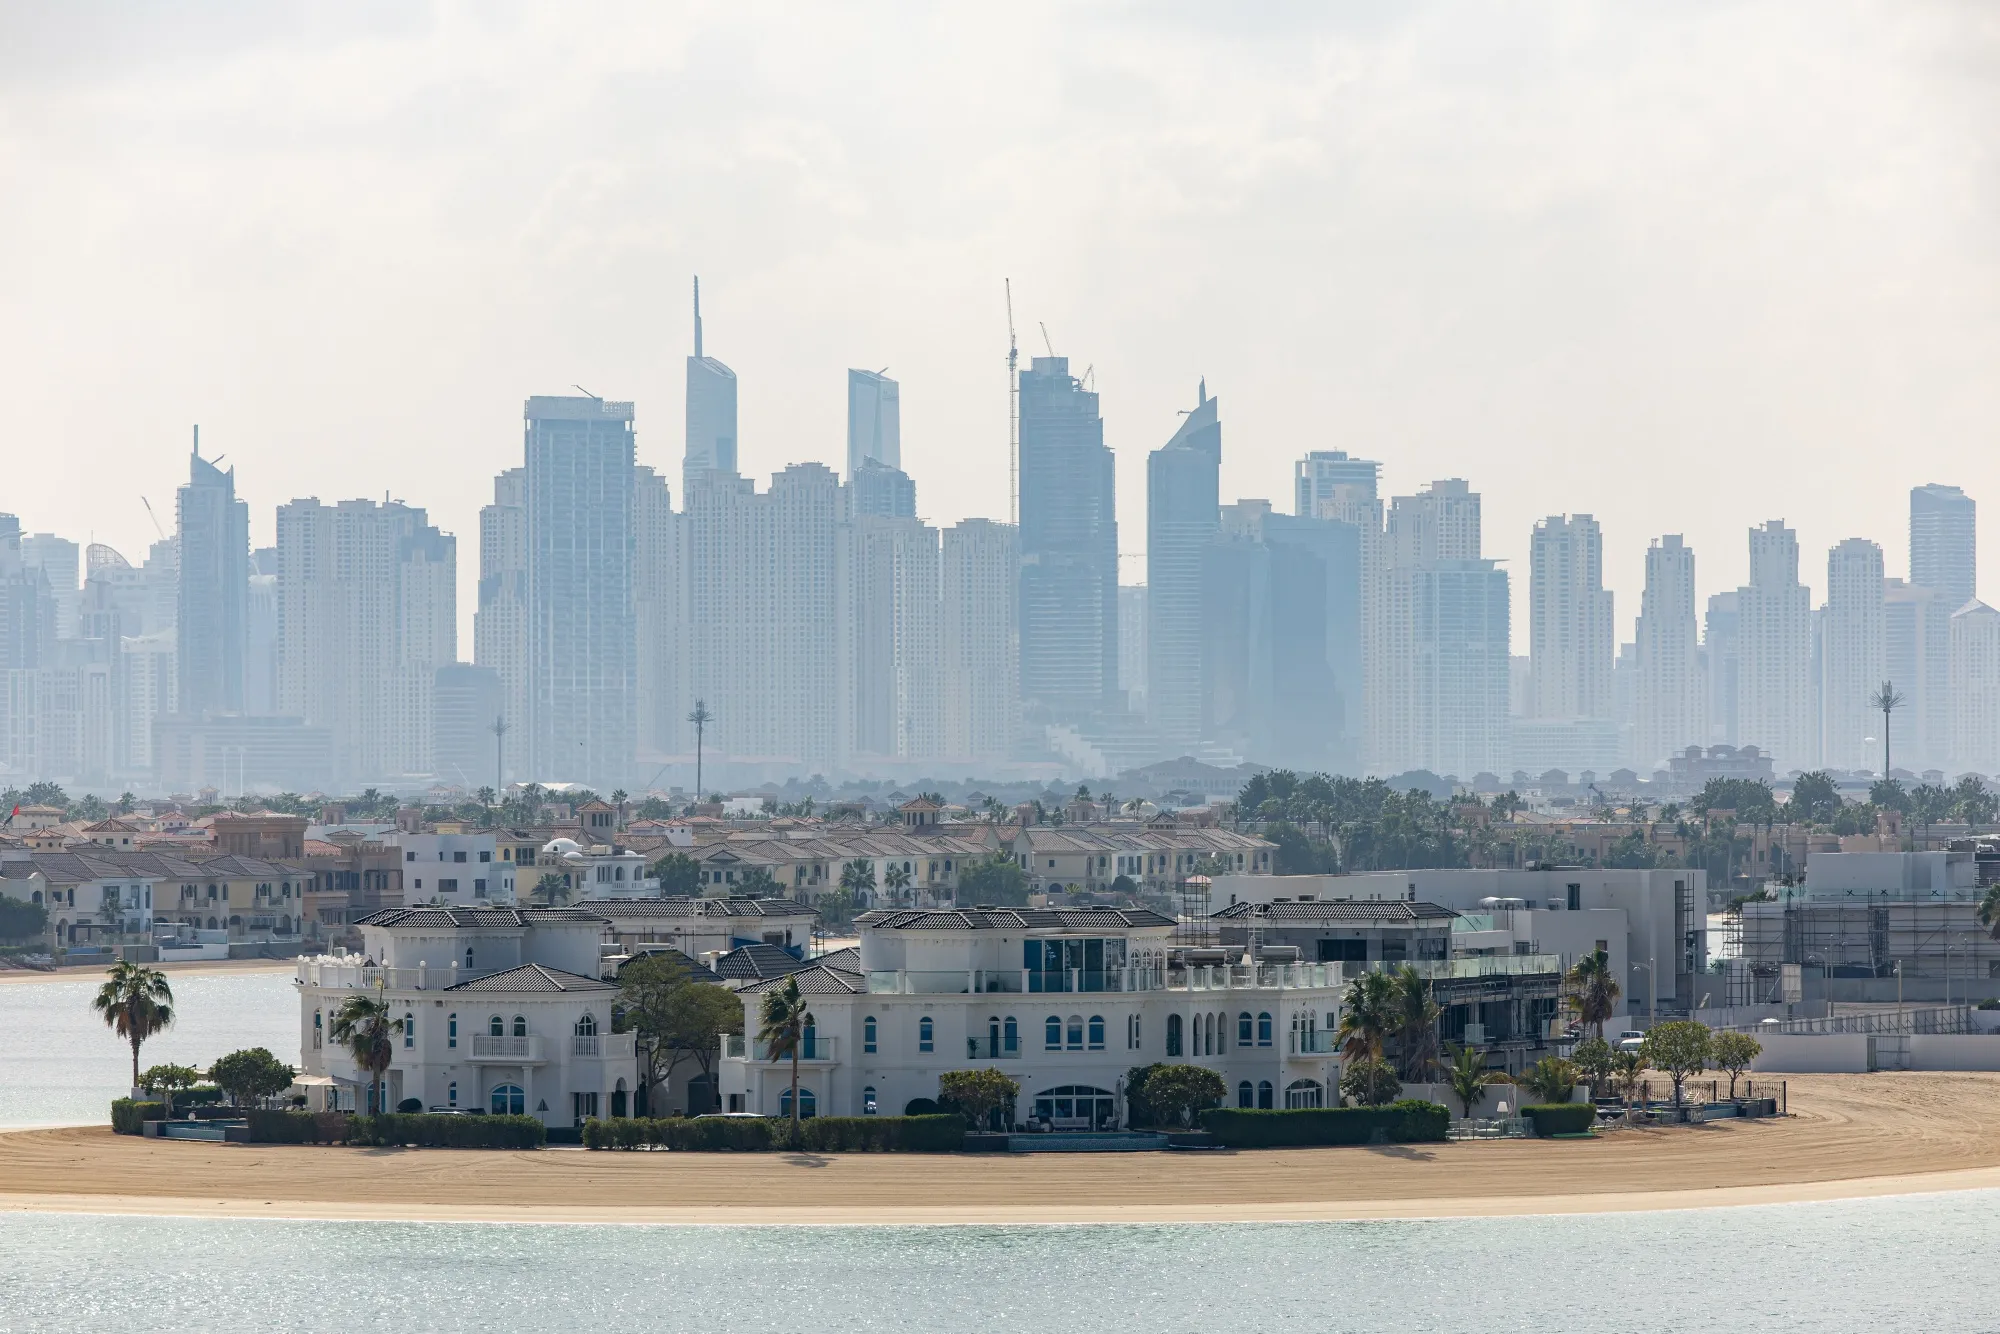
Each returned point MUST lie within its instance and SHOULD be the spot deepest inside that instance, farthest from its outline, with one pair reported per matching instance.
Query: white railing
(1011, 981)
(356, 976)
(582, 1044)
(606, 1046)
(1256, 977)
(1319, 1042)
(485, 1047)
(817, 1048)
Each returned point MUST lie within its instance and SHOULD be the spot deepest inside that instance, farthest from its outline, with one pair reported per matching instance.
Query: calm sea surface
(1912, 1263)
(59, 1064)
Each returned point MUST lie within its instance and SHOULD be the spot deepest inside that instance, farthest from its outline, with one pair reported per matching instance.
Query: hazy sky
(1686, 266)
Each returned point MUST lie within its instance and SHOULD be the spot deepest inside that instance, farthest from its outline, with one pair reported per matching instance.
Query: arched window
(409, 1029)
(319, 1028)
(808, 1104)
(468, 958)
(1244, 1035)
(520, 1027)
(1245, 1095)
(1264, 1094)
(1304, 1093)
(1010, 1036)
(508, 1100)
(496, 1027)
(1077, 1106)
(868, 1034)
(925, 1033)
(1208, 1035)
(451, 1094)
(1264, 1029)
(586, 1027)
(619, 1098)
(1052, 1033)
(1097, 1032)
(1132, 1032)
(809, 1040)
(1173, 1035)
(35, 897)
(1075, 1027)
(451, 1031)
(284, 926)
(211, 924)
(868, 1103)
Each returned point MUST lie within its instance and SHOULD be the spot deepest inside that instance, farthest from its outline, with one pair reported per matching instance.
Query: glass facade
(1073, 964)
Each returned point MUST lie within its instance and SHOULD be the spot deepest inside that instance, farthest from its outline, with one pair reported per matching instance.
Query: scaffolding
(1871, 935)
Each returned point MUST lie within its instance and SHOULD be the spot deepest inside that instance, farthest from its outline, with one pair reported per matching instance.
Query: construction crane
(154, 517)
(1013, 413)
(1045, 338)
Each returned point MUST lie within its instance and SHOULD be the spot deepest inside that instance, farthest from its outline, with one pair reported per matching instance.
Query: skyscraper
(979, 671)
(659, 593)
(1975, 688)
(1459, 641)
(1182, 504)
(711, 413)
(1569, 620)
(1916, 632)
(1439, 523)
(1669, 686)
(1853, 656)
(214, 532)
(1720, 666)
(1069, 547)
(1774, 685)
(885, 492)
(1326, 483)
(874, 421)
(886, 617)
(582, 630)
(500, 625)
(1944, 543)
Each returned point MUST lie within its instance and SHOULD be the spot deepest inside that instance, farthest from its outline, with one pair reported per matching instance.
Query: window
(508, 1100)
(1097, 1032)
(926, 1031)
(1264, 1031)
(1052, 1034)
(1264, 1094)
(451, 1094)
(1243, 1038)
(586, 1027)
(448, 886)
(1077, 1106)
(1173, 1035)
(868, 1103)
(479, 889)
(468, 958)
(496, 1027)
(1076, 1032)
(1303, 1093)
(486, 856)
(319, 1028)
(1245, 1095)
(868, 1034)
(520, 1027)
(808, 1104)
(583, 1107)
(1131, 1032)
(420, 882)
(409, 1029)
(410, 856)
(1010, 1036)
(1575, 901)
(458, 856)
(451, 1033)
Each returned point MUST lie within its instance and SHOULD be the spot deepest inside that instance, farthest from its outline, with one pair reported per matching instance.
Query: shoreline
(190, 968)
(1851, 1137)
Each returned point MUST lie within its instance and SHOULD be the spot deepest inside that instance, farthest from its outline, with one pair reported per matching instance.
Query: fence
(1937, 1019)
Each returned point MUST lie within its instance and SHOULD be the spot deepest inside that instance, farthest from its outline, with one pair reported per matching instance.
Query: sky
(1684, 266)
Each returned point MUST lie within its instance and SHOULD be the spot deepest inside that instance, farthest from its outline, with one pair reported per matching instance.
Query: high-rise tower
(1670, 686)
(1182, 509)
(1774, 685)
(1853, 656)
(1944, 543)
(711, 413)
(214, 529)
(874, 421)
(1569, 620)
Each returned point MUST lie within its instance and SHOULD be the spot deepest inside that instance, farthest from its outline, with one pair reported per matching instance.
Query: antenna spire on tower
(697, 317)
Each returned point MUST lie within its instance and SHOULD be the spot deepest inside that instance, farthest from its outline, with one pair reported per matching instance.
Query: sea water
(60, 1064)
(1907, 1263)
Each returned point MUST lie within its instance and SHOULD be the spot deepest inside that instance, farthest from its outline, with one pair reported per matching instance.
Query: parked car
(1630, 1040)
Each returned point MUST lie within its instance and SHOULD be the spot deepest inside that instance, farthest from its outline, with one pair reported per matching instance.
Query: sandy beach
(1850, 1136)
(193, 968)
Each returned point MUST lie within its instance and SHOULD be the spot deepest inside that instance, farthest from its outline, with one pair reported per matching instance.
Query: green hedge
(1410, 1121)
(288, 1127)
(432, 1131)
(128, 1116)
(1561, 1118)
(819, 1134)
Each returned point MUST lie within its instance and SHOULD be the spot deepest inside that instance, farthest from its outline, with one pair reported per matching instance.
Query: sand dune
(1850, 1135)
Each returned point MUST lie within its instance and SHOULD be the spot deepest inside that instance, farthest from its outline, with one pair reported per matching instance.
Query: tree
(1681, 1047)
(1751, 799)
(1888, 699)
(1551, 1079)
(1815, 799)
(1468, 1076)
(977, 1093)
(364, 1026)
(1593, 1057)
(782, 1029)
(1177, 1094)
(858, 879)
(679, 875)
(1365, 1020)
(1592, 991)
(997, 882)
(22, 920)
(897, 881)
(758, 883)
(1929, 803)
(1627, 1069)
(1734, 1052)
(1989, 910)
(1370, 1082)
(136, 1003)
(164, 1079)
(552, 888)
(1416, 1017)
(250, 1075)
(1888, 794)
(1972, 802)
(675, 1017)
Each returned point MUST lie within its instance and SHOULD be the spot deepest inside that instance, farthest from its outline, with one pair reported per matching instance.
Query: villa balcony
(354, 976)
(1012, 981)
(1257, 977)
(814, 1050)
(1319, 1042)
(603, 1046)
(507, 1050)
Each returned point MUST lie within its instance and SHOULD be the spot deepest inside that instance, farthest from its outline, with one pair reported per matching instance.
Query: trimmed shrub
(1409, 1121)
(128, 1117)
(1561, 1118)
(744, 1134)
(201, 1095)
(431, 1130)
(282, 1127)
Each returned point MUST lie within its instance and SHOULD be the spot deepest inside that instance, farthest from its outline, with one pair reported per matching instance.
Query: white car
(1630, 1040)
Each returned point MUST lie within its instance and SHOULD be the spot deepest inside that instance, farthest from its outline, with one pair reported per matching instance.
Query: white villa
(1064, 1000)
(504, 1011)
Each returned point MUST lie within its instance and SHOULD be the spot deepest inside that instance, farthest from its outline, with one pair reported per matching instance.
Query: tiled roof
(533, 977)
(816, 981)
(1009, 919)
(693, 907)
(1336, 910)
(487, 917)
(694, 969)
(847, 959)
(756, 961)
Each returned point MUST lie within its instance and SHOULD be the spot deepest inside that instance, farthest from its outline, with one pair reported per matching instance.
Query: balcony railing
(1011, 981)
(812, 1048)
(527, 1050)
(1318, 1042)
(1256, 977)
(359, 977)
(604, 1046)
(990, 1048)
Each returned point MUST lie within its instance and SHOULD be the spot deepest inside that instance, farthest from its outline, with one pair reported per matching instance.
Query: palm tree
(1626, 1068)
(1989, 911)
(1468, 1077)
(1365, 1020)
(858, 879)
(1416, 1026)
(136, 1003)
(701, 718)
(896, 880)
(782, 1029)
(1888, 699)
(1593, 992)
(365, 1026)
